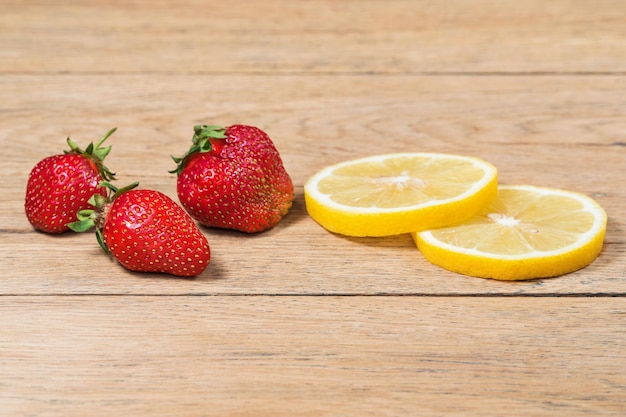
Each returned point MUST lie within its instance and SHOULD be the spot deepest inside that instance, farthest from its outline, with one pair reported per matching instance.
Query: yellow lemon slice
(391, 194)
(526, 232)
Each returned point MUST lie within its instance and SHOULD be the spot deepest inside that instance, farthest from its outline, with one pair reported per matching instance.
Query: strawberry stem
(202, 135)
(96, 154)
(119, 191)
(90, 218)
(105, 137)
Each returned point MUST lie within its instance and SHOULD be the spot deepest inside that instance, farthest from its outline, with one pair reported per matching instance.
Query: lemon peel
(526, 232)
(399, 193)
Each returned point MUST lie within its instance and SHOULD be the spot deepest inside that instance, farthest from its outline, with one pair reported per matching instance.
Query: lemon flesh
(525, 233)
(391, 194)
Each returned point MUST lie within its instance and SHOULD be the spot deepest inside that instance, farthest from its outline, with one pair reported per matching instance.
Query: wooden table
(297, 321)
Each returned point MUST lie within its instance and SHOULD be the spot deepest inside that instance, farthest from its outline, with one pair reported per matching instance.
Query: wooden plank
(318, 356)
(564, 132)
(298, 321)
(395, 36)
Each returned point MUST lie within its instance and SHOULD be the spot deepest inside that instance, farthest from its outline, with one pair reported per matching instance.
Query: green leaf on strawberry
(202, 142)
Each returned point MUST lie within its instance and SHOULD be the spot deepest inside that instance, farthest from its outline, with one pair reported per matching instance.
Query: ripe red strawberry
(233, 177)
(60, 185)
(146, 231)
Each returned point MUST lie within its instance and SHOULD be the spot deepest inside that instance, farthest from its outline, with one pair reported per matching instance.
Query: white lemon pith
(391, 194)
(526, 232)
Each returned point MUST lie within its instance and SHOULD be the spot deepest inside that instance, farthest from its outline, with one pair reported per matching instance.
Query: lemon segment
(526, 232)
(392, 194)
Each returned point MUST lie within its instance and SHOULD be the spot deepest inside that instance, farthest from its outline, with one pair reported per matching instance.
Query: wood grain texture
(348, 356)
(326, 36)
(298, 321)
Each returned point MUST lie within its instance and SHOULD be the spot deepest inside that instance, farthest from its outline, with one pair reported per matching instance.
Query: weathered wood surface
(320, 37)
(298, 321)
(312, 356)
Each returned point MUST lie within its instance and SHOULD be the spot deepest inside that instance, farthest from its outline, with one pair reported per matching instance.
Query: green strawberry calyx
(90, 218)
(96, 154)
(202, 135)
